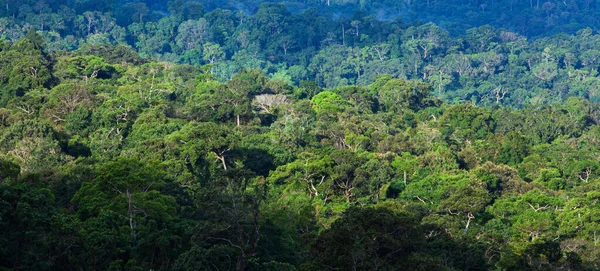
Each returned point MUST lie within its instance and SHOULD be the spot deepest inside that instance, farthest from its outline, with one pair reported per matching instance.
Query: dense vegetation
(310, 135)
(111, 162)
(511, 53)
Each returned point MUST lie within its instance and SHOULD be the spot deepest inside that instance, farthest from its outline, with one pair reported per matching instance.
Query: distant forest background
(488, 52)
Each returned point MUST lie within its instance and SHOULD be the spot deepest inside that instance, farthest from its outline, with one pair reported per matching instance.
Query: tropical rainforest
(301, 135)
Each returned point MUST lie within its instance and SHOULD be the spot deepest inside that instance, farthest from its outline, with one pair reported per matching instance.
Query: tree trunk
(130, 211)
(222, 158)
(469, 218)
(241, 262)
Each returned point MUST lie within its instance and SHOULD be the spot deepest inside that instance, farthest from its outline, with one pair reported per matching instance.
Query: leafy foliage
(284, 140)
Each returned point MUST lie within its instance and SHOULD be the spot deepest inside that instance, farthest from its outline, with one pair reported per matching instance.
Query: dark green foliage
(478, 52)
(160, 166)
(26, 214)
(305, 135)
(372, 239)
(514, 148)
(112, 54)
(8, 170)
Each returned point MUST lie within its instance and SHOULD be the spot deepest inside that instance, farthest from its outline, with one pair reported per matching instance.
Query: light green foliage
(163, 159)
(328, 103)
(411, 148)
(85, 68)
(24, 67)
(66, 99)
(398, 95)
(407, 165)
(32, 145)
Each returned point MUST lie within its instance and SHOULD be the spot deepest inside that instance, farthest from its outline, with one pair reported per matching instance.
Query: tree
(327, 102)
(36, 39)
(272, 18)
(514, 149)
(397, 95)
(212, 52)
(27, 66)
(370, 239)
(330, 66)
(344, 173)
(27, 232)
(467, 122)
(286, 43)
(123, 206)
(236, 93)
(33, 145)
(407, 164)
(86, 68)
(8, 170)
(466, 199)
(201, 141)
(481, 39)
(312, 172)
(192, 34)
(425, 39)
(65, 99)
(232, 221)
(268, 102)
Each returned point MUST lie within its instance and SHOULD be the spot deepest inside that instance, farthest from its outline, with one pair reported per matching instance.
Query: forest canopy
(511, 53)
(305, 135)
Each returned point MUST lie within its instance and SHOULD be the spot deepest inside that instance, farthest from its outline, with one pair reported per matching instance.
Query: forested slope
(511, 53)
(302, 135)
(112, 162)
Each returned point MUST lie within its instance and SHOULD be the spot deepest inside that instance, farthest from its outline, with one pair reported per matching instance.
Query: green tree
(328, 103)
(370, 239)
(124, 207)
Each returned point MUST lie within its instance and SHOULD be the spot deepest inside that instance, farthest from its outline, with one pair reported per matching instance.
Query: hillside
(485, 61)
(301, 135)
(109, 161)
